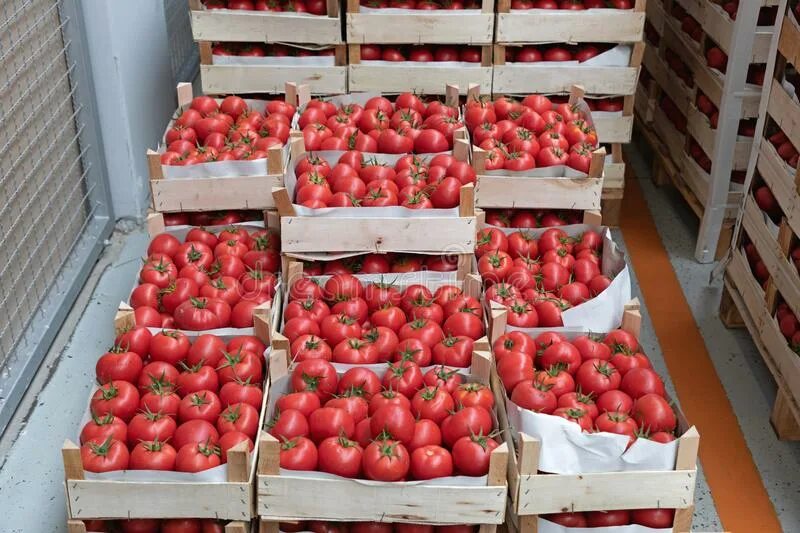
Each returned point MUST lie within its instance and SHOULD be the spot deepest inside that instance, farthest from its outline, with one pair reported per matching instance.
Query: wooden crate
(666, 81)
(375, 233)
(532, 493)
(469, 26)
(782, 181)
(77, 526)
(525, 192)
(233, 25)
(755, 307)
(243, 79)
(263, 315)
(232, 499)
(541, 78)
(421, 78)
(655, 14)
(350, 500)
(218, 193)
(544, 26)
(719, 27)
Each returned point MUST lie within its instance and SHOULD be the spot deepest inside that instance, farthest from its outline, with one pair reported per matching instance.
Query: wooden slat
(539, 78)
(608, 26)
(539, 193)
(210, 194)
(222, 79)
(264, 27)
(115, 499)
(789, 41)
(451, 27)
(317, 234)
(540, 494)
(426, 79)
(785, 112)
(656, 15)
(699, 183)
(334, 499)
(614, 129)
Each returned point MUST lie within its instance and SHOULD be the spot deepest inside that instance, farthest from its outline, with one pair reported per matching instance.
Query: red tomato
(386, 460)
(404, 377)
(288, 424)
(315, 375)
(298, 453)
(119, 398)
(654, 414)
(595, 376)
(104, 455)
(330, 422)
(152, 455)
(431, 461)
(241, 417)
(471, 454)
(466, 422)
(103, 427)
(340, 456)
(640, 381)
(196, 457)
(534, 395)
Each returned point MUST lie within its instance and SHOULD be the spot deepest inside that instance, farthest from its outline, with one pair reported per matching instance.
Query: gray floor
(31, 474)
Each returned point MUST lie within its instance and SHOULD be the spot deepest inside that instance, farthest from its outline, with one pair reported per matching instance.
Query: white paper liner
(423, 64)
(218, 169)
(402, 11)
(180, 233)
(604, 311)
(619, 56)
(332, 156)
(546, 526)
(280, 61)
(218, 474)
(281, 387)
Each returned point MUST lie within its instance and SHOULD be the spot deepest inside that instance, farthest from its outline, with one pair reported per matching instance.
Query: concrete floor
(31, 472)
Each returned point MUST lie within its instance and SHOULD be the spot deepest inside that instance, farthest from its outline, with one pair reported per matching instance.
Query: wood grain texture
(430, 27)
(427, 79)
(540, 78)
(265, 27)
(222, 79)
(609, 26)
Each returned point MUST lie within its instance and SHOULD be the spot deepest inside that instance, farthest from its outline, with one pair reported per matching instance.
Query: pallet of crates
(473, 499)
(696, 46)
(101, 480)
(89, 526)
(608, 72)
(256, 274)
(221, 182)
(248, 51)
(762, 286)
(559, 478)
(554, 187)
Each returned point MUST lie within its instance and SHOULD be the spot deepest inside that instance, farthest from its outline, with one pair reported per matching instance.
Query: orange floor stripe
(736, 485)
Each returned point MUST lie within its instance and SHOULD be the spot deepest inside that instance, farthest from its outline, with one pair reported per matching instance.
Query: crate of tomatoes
(153, 525)
(293, 21)
(205, 279)
(571, 276)
(172, 428)
(589, 417)
(380, 181)
(221, 153)
(427, 21)
(534, 153)
(379, 392)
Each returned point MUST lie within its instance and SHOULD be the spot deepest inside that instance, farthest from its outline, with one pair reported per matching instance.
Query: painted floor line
(736, 485)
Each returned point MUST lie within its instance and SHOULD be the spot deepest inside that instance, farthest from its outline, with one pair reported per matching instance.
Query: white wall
(135, 91)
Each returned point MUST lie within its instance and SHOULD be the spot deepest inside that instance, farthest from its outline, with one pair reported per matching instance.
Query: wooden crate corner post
(124, 319)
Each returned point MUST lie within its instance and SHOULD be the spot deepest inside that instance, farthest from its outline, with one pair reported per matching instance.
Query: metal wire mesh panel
(48, 183)
(184, 55)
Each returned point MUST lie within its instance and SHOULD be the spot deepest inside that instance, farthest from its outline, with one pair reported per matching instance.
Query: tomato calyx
(444, 373)
(407, 354)
(418, 323)
(398, 371)
(232, 413)
(574, 413)
(346, 320)
(386, 447)
(208, 449)
(154, 445)
(587, 399)
(554, 370)
(110, 392)
(198, 400)
(451, 341)
(482, 440)
(605, 369)
(198, 303)
(101, 449)
(429, 393)
(193, 255)
(616, 416)
(104, 420)
(150, 415)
